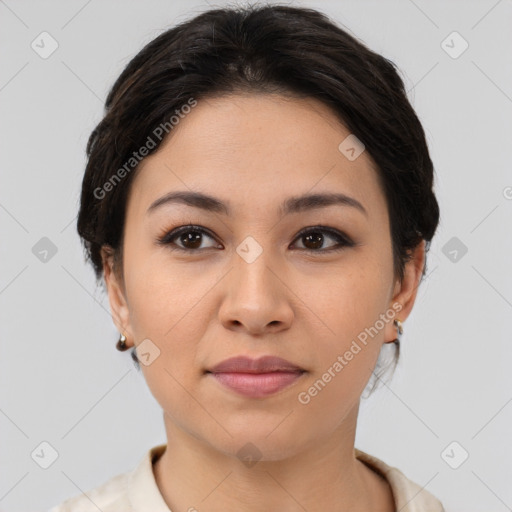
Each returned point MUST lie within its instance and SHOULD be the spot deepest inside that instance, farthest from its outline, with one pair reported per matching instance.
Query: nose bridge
(252, 262)
(256, 300)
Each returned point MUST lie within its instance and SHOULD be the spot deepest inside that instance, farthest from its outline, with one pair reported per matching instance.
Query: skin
(199, 308)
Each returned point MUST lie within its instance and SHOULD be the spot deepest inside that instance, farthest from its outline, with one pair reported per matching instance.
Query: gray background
(63, 382)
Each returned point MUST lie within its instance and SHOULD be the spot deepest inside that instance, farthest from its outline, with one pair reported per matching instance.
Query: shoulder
(133, 491)
(408, 495)
(108, 497)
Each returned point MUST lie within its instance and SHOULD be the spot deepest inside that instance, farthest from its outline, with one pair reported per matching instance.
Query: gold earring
(399, 327)
(121, 344)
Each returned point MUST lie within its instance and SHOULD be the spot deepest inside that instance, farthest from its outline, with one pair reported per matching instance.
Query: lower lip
(257, 385)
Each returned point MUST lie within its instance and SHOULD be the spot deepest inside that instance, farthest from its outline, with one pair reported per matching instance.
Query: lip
(264, 364)
(256, 378)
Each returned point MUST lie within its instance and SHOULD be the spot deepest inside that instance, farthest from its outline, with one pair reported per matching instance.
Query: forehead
(255, 150)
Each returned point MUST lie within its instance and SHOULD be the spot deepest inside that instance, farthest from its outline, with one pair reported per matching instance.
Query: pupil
(317, 243)
(191, 240)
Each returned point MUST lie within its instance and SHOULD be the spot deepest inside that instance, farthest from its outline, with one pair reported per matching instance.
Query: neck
(324, 475)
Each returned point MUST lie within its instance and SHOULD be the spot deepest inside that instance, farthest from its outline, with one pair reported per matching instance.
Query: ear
(116, 294)
(405, 292)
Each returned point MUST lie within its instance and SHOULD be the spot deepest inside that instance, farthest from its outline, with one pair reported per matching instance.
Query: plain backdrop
(62, 381)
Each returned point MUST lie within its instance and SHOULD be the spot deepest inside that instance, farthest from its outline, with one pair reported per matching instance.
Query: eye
(190, 236)
(314, 237)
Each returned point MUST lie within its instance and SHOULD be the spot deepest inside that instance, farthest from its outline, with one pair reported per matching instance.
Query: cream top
(137, 491)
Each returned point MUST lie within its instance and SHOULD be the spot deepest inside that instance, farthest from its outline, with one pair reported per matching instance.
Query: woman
(258, 200)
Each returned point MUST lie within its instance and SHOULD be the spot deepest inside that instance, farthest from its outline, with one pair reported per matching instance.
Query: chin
(261, 441)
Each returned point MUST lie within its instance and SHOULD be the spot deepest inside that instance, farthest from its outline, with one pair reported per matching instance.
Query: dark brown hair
(256, 49)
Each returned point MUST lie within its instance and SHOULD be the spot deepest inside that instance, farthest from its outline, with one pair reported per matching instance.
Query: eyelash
(343, 240)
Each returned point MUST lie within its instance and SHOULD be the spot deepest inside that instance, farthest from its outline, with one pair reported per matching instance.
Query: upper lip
(264, 364)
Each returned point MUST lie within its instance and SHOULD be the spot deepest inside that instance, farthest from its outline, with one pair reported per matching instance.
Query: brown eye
(187, 238)
(314, 238)
(190, 238)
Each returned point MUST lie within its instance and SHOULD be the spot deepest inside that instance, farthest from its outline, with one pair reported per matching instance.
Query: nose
(256, 300)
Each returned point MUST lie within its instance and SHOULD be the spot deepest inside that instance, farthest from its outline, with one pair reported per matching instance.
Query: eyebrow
(291, 205)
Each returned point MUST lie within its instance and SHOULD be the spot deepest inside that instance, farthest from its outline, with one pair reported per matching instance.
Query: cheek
(162, 310)
(168, 313)
(168, 307)
(350, 299)
(351, 307)
(162, 296)
(345, 360)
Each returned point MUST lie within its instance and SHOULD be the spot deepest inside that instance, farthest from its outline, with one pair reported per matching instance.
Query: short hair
(281, 49)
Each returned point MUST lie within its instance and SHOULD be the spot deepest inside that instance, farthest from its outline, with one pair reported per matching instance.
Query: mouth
(256, 378)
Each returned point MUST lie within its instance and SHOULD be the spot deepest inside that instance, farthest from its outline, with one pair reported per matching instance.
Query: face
(262, 273)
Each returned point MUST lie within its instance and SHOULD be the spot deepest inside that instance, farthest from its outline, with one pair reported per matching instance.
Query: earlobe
(116, 294)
